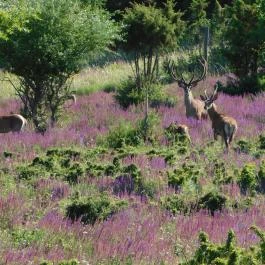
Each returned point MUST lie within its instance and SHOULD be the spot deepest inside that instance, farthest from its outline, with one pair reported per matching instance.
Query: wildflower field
(91, 191)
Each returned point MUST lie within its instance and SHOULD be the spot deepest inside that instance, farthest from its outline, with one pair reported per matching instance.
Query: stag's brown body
(12, 123)
(194, 107)
(222, 125)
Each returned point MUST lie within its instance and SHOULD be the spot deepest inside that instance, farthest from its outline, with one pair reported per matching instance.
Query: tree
(245, 39)
(58, 43)
(150, 31)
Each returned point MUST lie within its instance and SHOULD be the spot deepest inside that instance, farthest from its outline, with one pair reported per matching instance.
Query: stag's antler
(192, 82)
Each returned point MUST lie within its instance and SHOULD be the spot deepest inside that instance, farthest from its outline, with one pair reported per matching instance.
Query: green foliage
(148, 128)
(212, 201)
(129, 93)
(175, 204)
(262, 142)
(57, 44)
(176, 136)
(58, 163)
(63, 262)
(148, 27)
(248, 177)
(124, 134)
(244, 26)
(220, 173)
(179, 176)
(149, 31)
(226, 254)
(23, 238)
(261, 178)
(92, 208)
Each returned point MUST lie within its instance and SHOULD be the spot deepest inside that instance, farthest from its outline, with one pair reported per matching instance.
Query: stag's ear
(193, 84)
(202, 98)
(181, 84)
(215, 96)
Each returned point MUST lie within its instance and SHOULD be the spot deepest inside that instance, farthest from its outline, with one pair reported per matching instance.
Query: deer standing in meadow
(12, 123)
(222, 125)
(194, 107)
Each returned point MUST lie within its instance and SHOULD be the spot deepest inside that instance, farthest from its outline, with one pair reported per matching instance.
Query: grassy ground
(90, 189)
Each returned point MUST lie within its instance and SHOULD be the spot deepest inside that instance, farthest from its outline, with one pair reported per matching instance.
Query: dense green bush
(244, 24)
(175, 204)
(179, 176)
(124, 134)
(248, 178)
(176, 136)
(212, 201)
(92, 208)
(228, 253)
(128, 93)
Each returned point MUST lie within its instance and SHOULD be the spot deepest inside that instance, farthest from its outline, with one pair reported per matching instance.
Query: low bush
(124, 134)
(253, 85)
(93, 208)
(228, 253)
(213, 202)
(248, 178)
(179, 176)
(129, 94)
(175, 204)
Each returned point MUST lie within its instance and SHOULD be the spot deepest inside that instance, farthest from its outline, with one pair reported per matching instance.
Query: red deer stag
(12, 123)
(194, 107)
(222, 125)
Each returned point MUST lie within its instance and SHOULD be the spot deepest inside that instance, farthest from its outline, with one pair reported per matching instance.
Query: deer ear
(194, 84)
(215, 96)
(181, 84)
(202, 98)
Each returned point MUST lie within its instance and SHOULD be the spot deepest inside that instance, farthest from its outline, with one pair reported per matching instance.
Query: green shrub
(28, 173)
(248, 178)
(175, 136)
(213, 202)
(93, 208)
(129, 94)
(174, 204)
(124, 134)
(148, 128)
(75, 171)
(261, 178)
(227, 253)
(23, 238)
(244, 146)
(262, 142)
(178, 177)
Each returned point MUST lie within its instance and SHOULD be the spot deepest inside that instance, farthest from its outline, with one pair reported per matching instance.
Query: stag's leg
(215, 135)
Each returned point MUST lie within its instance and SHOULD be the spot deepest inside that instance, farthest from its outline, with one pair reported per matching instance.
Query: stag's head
(187, 85)
(209, 100)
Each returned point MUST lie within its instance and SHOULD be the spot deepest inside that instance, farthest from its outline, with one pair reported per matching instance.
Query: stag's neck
(213, 113)
(188, 98)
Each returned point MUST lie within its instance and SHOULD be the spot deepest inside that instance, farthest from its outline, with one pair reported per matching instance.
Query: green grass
(97, 78)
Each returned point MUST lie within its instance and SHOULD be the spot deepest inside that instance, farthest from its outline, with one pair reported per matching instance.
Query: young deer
(222, 125)
(194, 107)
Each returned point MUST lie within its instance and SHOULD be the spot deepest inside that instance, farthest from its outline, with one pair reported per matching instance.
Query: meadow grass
(47, 179)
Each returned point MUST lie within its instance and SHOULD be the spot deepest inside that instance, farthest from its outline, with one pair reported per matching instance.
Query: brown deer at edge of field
(222, 125)
(12, 123)
(194, 107)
